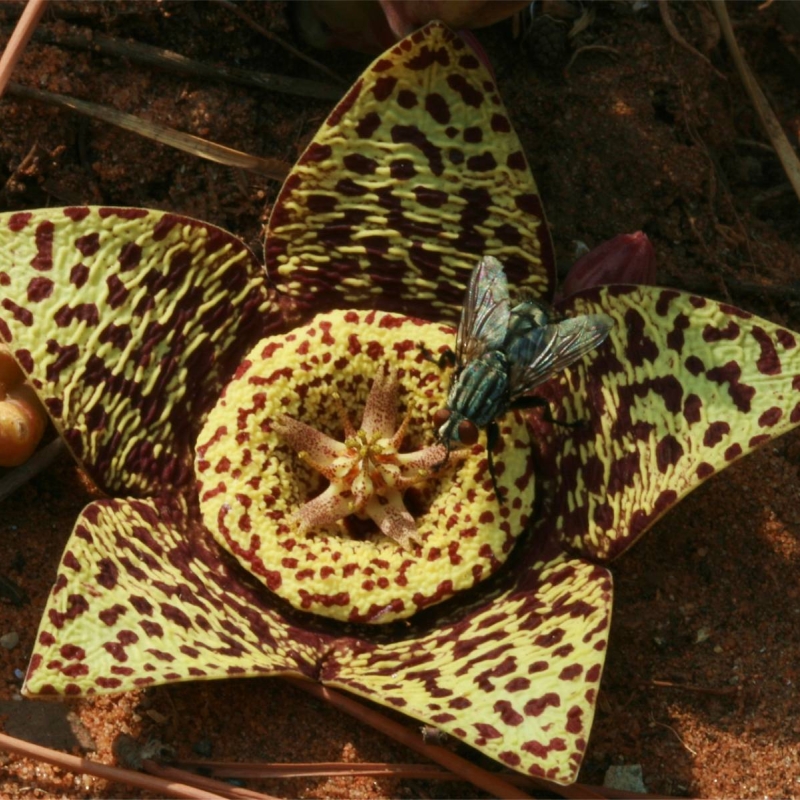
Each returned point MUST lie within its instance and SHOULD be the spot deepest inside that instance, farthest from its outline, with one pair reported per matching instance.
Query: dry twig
(168, 60)
(770, 122)
(19, 39)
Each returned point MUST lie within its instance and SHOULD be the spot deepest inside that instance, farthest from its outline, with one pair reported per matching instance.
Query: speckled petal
(380, 410)
(144, 596)
(426, 461)
(129, 321)
(317, 449)
(683, 387)
(414, 176)
(321, 511)
(393, 520)
(517, 678)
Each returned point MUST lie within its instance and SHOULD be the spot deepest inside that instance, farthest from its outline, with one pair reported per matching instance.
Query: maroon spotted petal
(144, 596)
(128, 322)
(414, 177)
(682, 387)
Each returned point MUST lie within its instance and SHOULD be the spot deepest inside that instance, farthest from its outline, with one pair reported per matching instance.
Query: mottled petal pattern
(324, 453)
(128, 321)
(144, 596)
(683, 387)
(517, 678)
(414, 176)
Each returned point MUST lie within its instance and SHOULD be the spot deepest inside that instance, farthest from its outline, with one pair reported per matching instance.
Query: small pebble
(625, 777)
(203, 747)
(156, 716)
(9, 640)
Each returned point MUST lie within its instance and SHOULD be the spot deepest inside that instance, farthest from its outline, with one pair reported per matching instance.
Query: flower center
(285, 476)
(367, 473)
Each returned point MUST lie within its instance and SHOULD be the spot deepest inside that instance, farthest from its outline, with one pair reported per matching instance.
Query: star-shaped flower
(367, 473)
(129, 323)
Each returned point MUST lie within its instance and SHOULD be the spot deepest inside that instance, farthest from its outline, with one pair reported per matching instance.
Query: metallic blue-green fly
(504, 350)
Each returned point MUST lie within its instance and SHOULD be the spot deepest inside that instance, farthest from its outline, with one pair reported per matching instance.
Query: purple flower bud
(627, 258)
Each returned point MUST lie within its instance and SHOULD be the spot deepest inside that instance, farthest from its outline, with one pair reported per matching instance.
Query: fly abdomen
(480, 393)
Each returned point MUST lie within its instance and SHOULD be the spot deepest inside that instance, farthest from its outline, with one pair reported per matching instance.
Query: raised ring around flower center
(258, 480)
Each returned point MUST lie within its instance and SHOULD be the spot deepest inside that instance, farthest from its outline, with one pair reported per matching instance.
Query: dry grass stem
(269, 167)
(325, 769)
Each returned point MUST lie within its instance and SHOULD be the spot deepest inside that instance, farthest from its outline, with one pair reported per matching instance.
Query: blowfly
(503, 352)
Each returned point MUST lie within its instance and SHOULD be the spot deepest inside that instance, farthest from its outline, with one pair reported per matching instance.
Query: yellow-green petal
(414, 176)
(128, 321)
(517, 678)
(683, 387)
(144, 597)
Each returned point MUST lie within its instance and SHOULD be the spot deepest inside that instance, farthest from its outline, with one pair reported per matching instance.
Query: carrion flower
(200, 563)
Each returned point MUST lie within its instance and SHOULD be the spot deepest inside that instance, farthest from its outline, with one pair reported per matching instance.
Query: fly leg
(492, 435)
(539, 402)
(445, 359)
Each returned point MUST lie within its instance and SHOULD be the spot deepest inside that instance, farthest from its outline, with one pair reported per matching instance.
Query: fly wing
(554, 347)
(484, 318)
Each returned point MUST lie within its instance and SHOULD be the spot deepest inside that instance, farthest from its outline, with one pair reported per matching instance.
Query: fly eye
(441, 416)
(467, 432)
